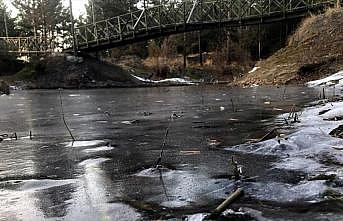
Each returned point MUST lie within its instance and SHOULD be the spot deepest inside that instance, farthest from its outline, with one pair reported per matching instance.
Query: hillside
(315, 50)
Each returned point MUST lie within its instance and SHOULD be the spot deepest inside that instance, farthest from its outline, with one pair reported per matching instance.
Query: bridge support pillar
(259, 41)
(200, 49)
(184, 53)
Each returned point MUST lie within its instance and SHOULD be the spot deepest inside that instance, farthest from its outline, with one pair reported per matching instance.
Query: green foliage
(47, 18)
(108, 8)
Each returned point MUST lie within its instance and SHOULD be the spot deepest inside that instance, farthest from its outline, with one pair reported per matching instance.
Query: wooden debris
(337, 148)
(158, 162)
(329, 177)
(270, 135)
(224, 205)
(337, 132)
(14, 136)
(324, 111)
(3, 136)
(237, 170)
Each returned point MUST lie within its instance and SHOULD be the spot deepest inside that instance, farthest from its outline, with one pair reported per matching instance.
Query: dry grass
(313, 51)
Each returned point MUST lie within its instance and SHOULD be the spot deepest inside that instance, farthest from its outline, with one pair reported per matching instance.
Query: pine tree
(104, 9)
(45, 18)
(6, 22)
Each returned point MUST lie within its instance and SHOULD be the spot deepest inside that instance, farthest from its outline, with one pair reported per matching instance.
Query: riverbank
(314, 51)
(214, 68)
(69, 72)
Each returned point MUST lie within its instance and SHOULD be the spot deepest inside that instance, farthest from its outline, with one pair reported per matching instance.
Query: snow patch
(168, 80)
(335, 79)
(282, 192)
(254, 69)
(310, 148)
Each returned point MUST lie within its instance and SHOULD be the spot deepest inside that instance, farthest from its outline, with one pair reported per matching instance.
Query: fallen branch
(337, 148)
(222, 207)
(159, 160)
(63, 118)
(270, 135)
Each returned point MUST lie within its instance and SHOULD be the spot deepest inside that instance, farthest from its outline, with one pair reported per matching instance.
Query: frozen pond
(106, 174)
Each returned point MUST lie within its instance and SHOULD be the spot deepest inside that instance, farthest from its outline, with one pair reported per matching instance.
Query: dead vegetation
(313, 51)
(4, 88)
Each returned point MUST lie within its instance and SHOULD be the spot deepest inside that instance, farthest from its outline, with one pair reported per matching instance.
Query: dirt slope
(315, 50)
(68, 72)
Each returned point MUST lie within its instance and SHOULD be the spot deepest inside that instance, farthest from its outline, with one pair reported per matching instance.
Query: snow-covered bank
(310, 150)
(333, 80)
(180, 81)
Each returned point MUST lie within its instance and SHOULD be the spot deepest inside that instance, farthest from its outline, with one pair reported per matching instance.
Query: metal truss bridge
(26, 45)
(186, 16)
(171, 18)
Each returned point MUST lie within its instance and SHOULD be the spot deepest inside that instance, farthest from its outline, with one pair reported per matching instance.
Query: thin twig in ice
(63, 118)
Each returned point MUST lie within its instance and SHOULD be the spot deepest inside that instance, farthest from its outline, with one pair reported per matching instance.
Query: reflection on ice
(34, 185)
(86, 143)
(98, 149)
(156, 172)
(93, 162)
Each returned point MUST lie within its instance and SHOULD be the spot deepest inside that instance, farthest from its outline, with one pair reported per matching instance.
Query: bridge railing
(26, 45)
(183, 13)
